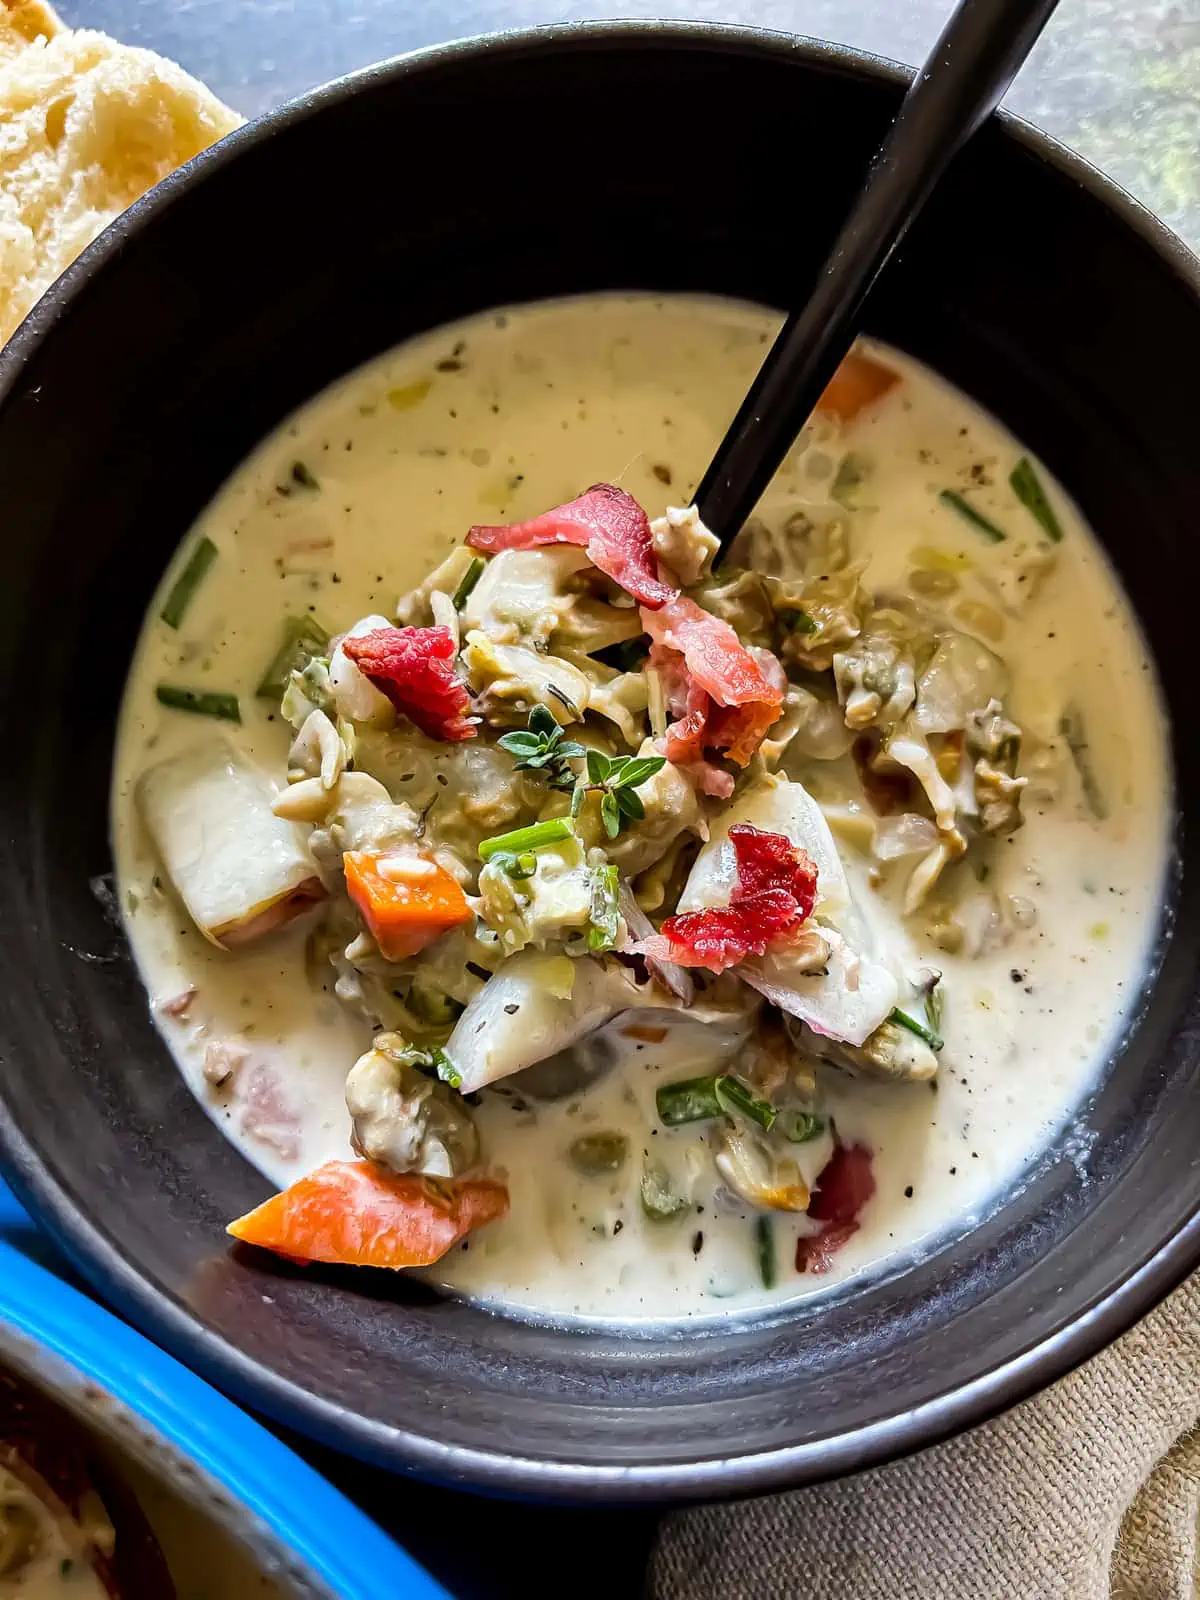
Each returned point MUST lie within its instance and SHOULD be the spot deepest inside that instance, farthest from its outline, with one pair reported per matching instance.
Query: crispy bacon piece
(845, 1185)
(611, 527)
(718, 692)
(414, 668)
(774, 894)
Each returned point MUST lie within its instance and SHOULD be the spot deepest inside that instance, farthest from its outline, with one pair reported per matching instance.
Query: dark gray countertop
(1119, 81)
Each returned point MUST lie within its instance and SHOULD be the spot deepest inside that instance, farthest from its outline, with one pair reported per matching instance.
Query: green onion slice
(184, 588)
(202, 702)
(552, 831)
(903, 1020)
(764, 1241)
(469, 579)
(984, 525)
(800, 1127)
(699, 1099)
(1027, 486)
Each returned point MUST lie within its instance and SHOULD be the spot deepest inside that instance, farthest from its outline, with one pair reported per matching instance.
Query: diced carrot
(406, 901)
(354, 1214)
(857, 384)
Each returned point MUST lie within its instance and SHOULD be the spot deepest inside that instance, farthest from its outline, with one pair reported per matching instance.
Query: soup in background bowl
(1084, 1205)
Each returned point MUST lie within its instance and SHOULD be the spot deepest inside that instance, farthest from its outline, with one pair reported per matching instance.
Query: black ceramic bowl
(677, 158)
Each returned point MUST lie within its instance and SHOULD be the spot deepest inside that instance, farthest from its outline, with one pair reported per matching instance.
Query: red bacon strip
(719, 694)
(845, 1185)
(609, 524)
(774, 894)
(414, 668)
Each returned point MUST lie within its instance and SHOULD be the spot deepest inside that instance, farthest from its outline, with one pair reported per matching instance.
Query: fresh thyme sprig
(615, 778)
(540, 747)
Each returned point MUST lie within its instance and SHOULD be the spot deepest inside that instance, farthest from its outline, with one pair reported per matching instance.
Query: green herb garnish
(469, 579)
(302, 640)
(903, 1020)
(540, 747)
(1074, 730)
(1027, 486)
(552, 831)
(956, 502)
(203, 703)
(700, 1099)
(605, 916)
(615, 778)
(189, 580)
(800, 1127)
(764, 1243)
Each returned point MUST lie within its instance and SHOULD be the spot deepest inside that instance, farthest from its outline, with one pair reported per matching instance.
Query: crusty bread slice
(86, 126)
(23, 21)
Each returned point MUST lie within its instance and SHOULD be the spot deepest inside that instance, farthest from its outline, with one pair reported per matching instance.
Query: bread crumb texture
(86, 126)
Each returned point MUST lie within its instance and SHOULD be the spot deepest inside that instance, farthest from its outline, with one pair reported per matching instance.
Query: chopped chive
(1074, 730)
(700, 1099)
(764, 1240)
(469, 579)
(903, 1020)
(800, 1127)
(595, 1154)
(733, 1092)
(660, 1203)
(1027, 486)
(956, 502)
(531, 838)
(184, 588)
(303, 638)
(204, 703)
(689, 1100)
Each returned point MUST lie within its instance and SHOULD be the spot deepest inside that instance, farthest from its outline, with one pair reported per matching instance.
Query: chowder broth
(365, 490)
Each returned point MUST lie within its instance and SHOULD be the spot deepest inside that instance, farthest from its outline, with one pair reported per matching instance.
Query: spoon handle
(964, 78)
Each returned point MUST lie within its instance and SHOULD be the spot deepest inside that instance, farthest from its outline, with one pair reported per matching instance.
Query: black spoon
(965, 77)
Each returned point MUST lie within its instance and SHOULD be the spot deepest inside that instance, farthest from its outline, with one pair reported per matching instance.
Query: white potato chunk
(853, 994)
(240, 870)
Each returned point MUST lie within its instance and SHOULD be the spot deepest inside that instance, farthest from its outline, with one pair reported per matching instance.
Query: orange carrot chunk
(351, 1213)
(406, 901)
(857, 384)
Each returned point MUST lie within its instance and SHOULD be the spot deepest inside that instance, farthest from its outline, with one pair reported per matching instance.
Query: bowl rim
(496, 1470)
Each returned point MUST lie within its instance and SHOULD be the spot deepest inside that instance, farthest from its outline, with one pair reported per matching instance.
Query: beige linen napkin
(1087, 1492)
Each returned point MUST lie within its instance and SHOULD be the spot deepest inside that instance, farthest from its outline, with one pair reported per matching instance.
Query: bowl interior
(679, 159)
